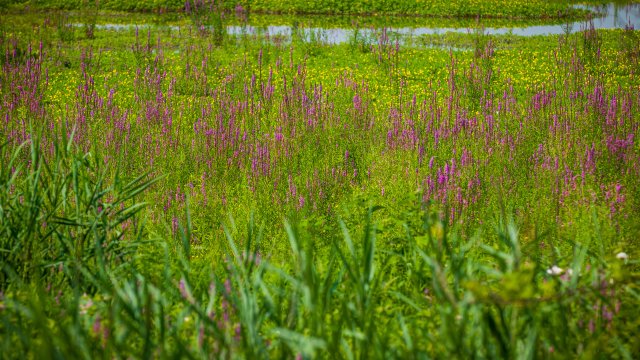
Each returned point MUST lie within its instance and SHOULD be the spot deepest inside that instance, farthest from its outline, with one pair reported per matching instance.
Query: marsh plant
(208, 16)
(84, 292)
(89, 13)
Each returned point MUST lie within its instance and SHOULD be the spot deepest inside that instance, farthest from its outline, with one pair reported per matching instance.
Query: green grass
(538, 9)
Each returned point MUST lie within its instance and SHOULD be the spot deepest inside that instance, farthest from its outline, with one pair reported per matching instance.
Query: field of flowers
(170, 190)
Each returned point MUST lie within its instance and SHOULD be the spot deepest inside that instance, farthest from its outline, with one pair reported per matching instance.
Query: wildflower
(555, 270)
(622, 255)
(566, 275)
(437, 230)
(85, 306)
(97, 325)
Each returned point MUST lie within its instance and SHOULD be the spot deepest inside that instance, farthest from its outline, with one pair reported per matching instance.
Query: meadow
(170, 190)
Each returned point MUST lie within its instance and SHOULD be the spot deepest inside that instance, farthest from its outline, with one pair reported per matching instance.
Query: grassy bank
(538, 9)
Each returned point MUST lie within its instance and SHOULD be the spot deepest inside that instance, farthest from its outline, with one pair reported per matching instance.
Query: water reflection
(611, 16)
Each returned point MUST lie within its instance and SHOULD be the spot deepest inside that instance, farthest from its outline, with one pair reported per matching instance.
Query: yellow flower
(437, 231)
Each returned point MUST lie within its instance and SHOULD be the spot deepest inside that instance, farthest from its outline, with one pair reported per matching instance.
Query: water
(610, 16)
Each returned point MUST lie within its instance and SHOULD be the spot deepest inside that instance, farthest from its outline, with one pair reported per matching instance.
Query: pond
(611, 16)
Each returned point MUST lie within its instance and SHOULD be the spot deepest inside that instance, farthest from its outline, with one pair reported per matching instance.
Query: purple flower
(97, 325)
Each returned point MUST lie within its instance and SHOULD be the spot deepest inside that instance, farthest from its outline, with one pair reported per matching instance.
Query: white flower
(85, 306)
(555, 270)
(622, 255)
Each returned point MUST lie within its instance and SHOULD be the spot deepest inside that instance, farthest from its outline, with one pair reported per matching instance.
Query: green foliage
(61, 213)
(456, 297)
(538, 9)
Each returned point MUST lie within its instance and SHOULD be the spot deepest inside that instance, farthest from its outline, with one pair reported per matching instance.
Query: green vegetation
(171, 190)
(512, 9)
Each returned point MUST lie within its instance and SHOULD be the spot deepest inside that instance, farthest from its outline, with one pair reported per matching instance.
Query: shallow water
(611, 16)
